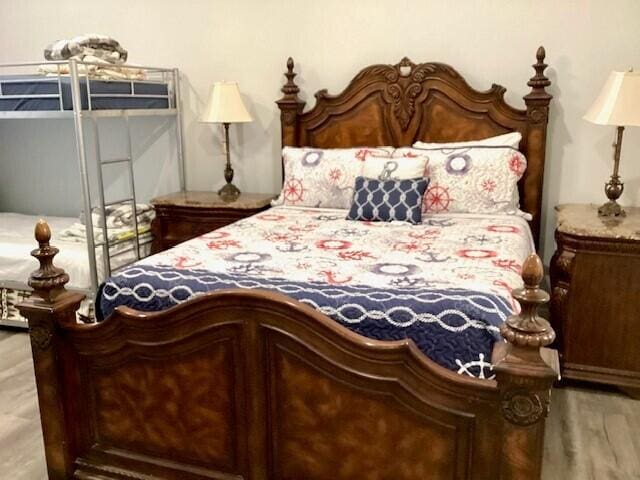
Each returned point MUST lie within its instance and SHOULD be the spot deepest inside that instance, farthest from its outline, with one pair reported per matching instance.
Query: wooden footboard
(253, 385)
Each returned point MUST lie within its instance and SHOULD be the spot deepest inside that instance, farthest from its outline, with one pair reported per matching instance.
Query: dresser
(595, 301)
(184, 215)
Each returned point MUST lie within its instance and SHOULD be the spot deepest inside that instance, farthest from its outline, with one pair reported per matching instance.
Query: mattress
(140, 94)
(17, 241)
(446, 283)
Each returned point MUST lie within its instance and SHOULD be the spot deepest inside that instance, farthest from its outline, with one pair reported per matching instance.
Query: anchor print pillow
(323, 178)
(385, 168)
(472, 179)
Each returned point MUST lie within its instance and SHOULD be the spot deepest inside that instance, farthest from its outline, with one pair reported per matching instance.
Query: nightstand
(595, 301)
(184, 215)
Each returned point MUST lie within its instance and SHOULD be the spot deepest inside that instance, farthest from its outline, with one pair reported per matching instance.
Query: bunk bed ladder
(106, 244)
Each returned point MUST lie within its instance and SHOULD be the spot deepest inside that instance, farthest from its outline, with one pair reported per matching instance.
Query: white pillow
(385, 168)
(323, 178)
(479, 179)
(511, 139)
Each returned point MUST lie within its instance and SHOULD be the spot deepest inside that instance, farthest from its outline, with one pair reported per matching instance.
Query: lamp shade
(225, 105)
(619, 101)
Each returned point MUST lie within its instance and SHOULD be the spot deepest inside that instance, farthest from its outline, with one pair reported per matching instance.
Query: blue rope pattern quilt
(445, 283)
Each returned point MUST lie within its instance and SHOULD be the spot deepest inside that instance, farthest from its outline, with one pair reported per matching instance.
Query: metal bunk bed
(80, 95)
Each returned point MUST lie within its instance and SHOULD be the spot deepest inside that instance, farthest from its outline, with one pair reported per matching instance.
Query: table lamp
(618, 104)
(225, 106)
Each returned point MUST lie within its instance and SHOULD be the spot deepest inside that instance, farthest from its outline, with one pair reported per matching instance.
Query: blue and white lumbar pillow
(388, 200)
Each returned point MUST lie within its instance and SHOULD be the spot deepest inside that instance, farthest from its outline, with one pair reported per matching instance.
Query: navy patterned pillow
(388, 200)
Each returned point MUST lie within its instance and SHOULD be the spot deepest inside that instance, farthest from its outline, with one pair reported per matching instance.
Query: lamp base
(229, 193)
(611, 209)
(613, 189)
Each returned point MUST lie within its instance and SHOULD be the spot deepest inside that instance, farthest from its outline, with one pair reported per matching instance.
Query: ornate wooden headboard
(398, 105)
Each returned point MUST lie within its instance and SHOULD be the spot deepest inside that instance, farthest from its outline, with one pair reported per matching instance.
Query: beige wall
(248, 41)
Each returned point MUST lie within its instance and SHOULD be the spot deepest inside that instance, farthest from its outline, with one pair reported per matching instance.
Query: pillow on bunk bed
(388, 200)
(471, 179)
(323, 178)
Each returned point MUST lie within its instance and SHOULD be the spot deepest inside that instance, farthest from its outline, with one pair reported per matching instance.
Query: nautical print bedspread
(446, 283)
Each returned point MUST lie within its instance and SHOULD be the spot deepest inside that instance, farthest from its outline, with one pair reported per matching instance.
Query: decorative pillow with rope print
(388, 200)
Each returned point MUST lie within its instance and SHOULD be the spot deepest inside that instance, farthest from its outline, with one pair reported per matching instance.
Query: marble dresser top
(582, 219)
(195, 199)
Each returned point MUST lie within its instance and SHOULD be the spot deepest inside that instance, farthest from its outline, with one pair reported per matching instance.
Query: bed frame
(241, 384)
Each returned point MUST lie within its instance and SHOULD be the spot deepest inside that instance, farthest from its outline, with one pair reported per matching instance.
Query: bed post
(537, 102)
(47, 311)
(525, 371)
(290, 107)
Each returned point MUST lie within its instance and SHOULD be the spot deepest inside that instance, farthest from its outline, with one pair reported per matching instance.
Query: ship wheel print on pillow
(293, 191)
(436, 199)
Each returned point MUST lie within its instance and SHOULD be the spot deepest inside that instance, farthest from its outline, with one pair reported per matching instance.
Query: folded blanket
(78, 233)
(100, 46)
(121, 215)
(91, 48)
(119, 219)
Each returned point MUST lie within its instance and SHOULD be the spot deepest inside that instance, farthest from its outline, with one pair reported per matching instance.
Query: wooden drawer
(185, 215)
(176, 231)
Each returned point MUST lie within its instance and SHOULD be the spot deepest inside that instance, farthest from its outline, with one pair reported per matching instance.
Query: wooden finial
(528, 329)
(43, 233)
(290, 107)
(532, 271)
(290, 89)
(539, 81)
(48, 281)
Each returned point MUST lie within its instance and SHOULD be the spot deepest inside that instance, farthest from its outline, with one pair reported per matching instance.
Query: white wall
(249, 41)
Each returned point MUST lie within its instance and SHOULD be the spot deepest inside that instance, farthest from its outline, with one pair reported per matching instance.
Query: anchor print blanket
(445, 283)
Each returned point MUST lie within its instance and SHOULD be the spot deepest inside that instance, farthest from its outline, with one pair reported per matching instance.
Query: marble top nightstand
(595, 296)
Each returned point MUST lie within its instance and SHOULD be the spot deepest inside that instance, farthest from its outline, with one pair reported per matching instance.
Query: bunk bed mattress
(446, 283)
(135, 94)
(17, 241)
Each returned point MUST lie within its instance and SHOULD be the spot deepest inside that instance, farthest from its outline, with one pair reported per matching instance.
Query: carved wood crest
(405, 83)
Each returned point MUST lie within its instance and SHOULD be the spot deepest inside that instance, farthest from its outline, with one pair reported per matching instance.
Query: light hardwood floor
(591, 435)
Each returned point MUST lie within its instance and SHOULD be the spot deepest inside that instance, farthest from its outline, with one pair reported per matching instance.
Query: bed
(255, 383)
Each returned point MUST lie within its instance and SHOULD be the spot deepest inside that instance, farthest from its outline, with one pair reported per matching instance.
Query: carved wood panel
(141, 406)
(364, 125)
(449, 122)
(171, 393)
(328, 424)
